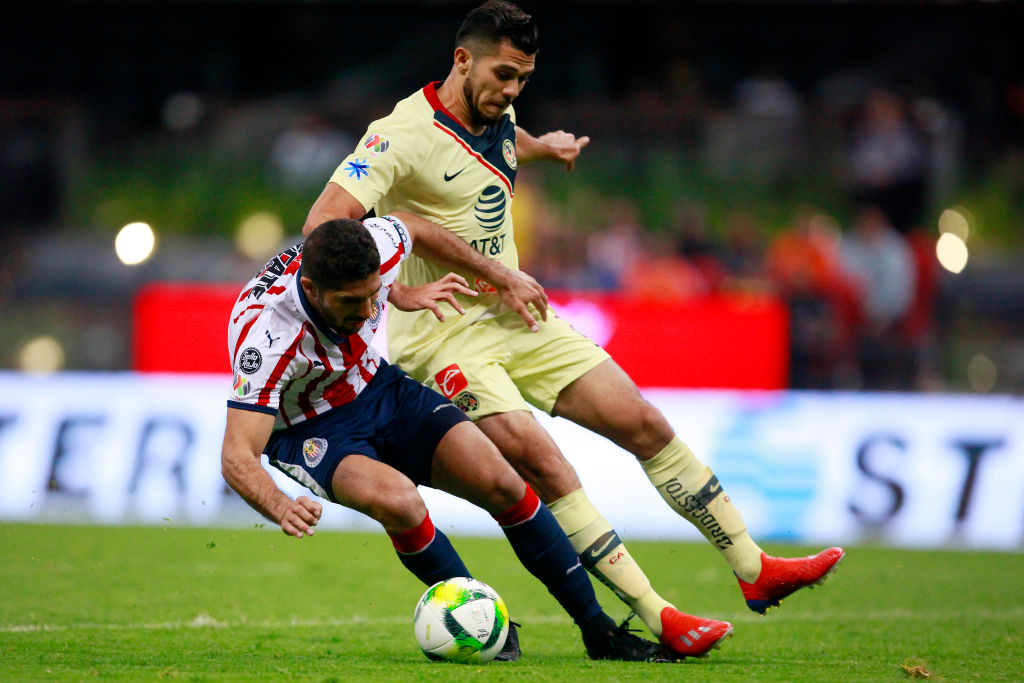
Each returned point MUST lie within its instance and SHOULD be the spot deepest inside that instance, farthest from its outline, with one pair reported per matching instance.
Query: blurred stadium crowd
(864, 161)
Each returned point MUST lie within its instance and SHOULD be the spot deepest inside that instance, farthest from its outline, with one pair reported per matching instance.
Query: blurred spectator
(803, 264)
(887, 160)
(743, 252)
(613, 251)
(689, 231)
(562, 262)
(881, 266)
(919, 326)
(309, 151)
(663, 275)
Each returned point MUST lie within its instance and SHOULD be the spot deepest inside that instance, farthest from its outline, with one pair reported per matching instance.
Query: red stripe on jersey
(286, 358)
(241, 338)
(339, 393)
(276, 290)
(303, 399)
(244, 294)
(288, 387)
(476, 156)
(393, 261)
(246, 310)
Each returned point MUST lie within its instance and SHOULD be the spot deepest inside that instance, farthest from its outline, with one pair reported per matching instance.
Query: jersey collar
(430, 92)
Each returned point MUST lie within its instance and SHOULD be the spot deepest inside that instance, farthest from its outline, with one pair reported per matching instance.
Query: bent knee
(396, 510)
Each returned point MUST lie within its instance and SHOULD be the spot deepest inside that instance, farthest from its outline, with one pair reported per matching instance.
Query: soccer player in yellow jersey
(448, 154)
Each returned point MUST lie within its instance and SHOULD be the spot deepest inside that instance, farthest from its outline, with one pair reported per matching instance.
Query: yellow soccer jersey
(421, 159)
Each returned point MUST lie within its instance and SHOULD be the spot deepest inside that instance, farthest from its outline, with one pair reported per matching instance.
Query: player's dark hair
(497, 20)
(338, 253)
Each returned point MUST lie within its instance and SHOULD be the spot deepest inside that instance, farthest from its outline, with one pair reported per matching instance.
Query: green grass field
(83, 603)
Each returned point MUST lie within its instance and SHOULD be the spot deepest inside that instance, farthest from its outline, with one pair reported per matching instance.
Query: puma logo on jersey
(271, 339)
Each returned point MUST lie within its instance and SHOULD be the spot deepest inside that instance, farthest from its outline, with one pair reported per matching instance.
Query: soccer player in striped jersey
(448, 153)
(312, 392)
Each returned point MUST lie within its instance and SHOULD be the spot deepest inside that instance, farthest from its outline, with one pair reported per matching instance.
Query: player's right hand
(300, 516)
(520, 289)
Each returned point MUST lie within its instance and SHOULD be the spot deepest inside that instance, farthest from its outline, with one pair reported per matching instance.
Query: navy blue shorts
(395, 420)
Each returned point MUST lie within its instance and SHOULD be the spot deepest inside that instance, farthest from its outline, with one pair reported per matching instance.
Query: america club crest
(467, 401)
(314, 450)
(508, 150)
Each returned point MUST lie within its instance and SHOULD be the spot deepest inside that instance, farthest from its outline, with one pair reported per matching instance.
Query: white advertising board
(904, 470)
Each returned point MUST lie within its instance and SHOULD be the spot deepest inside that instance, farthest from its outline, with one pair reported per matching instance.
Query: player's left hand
(429, 295)
(564, 147)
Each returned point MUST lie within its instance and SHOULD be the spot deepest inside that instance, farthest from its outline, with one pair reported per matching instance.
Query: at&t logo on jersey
(490, 208)
(451, 381)
(250, 360)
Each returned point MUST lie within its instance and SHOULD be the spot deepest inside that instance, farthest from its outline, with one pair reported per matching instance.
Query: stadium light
(951, 252)
(259, 235)
(41, 356)
(982, 373)
(956, 221)
(134, 243)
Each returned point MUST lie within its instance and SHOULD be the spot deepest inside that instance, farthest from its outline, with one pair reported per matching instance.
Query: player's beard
(476, 116)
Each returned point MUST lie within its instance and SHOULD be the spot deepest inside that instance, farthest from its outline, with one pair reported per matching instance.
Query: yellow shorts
(497, 365)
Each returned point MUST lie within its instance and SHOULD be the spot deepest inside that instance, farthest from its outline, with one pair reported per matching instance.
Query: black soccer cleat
(510, 651)
(605, 640)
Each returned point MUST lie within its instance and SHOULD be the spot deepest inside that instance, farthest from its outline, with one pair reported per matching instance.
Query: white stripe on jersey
(288, 362)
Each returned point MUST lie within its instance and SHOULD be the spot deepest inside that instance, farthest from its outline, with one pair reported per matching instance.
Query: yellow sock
(692, 491)
(604, 555)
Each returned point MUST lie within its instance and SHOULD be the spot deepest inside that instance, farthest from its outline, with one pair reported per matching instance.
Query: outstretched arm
(515, 288)
(245, 435)
(334, 202)
(554, 146)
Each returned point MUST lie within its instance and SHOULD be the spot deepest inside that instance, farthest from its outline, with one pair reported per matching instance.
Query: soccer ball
(461, 620)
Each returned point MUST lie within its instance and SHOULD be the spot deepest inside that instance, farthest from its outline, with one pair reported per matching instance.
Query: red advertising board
(734, 341)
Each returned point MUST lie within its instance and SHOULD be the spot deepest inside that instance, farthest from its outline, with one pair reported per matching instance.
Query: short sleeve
(393, 243)
(259, 373)
(393, 149)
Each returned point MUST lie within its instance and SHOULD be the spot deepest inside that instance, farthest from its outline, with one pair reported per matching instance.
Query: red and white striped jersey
(287, 362)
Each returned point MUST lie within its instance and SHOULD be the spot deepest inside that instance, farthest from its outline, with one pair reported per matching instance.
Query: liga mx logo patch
(241, 386)
(376, 144)
(314, 450)
(451, 381)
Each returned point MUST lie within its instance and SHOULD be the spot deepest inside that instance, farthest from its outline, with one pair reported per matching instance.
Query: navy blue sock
(428, 553)
(544, 549)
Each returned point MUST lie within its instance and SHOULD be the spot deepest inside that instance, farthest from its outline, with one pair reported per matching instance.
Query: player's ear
(308, 288)
(463, 60)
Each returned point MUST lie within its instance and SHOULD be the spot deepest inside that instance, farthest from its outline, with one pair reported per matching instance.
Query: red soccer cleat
(782, 576)
(683, 635)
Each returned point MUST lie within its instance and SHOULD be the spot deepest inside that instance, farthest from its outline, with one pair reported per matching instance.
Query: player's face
(348, 308)
(494, 80)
